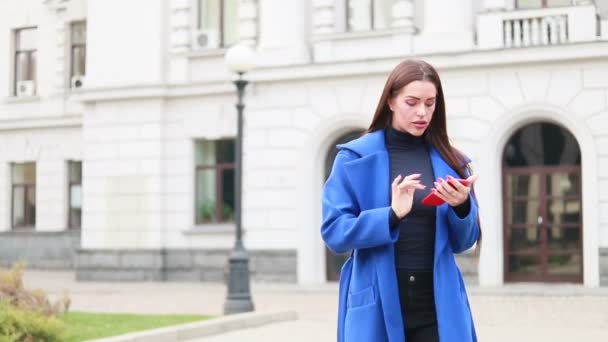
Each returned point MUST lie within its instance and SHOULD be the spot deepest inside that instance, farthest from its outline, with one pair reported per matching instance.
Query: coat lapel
(369, 176)
(441, 169)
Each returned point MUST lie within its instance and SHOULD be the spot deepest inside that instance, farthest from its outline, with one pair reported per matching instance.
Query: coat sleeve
(464, 231)
(344, 225)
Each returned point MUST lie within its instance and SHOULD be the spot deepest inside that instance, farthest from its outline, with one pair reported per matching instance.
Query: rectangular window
(23, 204)
(215, 189)
(78, 53)
(528, 4)
(217, 23)
(74, 194)
(367, 15)
(25, 62)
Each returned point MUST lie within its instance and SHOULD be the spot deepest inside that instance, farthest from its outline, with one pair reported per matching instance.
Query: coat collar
(369, 143)
(374, 142)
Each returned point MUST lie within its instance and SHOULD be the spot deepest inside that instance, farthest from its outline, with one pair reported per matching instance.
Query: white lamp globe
(240, 58)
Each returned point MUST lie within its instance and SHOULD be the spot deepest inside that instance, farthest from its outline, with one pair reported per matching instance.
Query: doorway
(542, 205)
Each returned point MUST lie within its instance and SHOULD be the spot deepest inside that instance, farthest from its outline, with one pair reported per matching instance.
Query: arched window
(542, 205)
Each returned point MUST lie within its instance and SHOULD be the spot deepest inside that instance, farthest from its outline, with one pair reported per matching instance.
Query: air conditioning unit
(77, 81)
(26, 88)
(205, 39)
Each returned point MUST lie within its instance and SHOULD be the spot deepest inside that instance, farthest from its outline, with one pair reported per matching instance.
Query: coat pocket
(361, 298)
(364, 321)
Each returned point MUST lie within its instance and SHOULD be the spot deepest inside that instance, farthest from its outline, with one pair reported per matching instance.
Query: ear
(389, 103)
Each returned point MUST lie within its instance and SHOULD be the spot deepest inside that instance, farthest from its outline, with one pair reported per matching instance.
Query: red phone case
(434, 200)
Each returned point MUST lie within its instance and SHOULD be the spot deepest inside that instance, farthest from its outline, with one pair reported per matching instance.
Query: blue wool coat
(356, 209)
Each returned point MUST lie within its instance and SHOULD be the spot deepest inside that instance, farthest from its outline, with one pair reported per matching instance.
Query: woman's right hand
(403, 189)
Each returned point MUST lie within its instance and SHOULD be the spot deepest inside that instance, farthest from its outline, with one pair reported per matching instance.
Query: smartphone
(434, 200)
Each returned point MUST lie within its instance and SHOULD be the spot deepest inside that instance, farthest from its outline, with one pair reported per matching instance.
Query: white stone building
(117, 125)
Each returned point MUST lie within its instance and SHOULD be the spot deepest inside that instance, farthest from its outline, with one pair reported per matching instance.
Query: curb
(538, 290)
(210, 327)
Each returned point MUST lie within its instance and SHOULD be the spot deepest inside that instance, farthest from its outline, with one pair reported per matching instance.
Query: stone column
(323, 17)
(447, 26)
(51, 197)
(180, 26)
(55, 23)
(493, 5)
(403, 15)
(447, 16)
(124, 227)
(248, 22)
(283, 32)
(126, 44)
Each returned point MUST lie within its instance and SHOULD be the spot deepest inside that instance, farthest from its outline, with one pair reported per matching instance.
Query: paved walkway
(510, 313)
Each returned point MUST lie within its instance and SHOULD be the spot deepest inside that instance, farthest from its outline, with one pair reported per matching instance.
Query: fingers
(447, 188)
(420, 186)
(408, 182)
(472, 179)
(451, 191)
(455, 184)
(396, 181)
(413, 184)
(440, 195)
(412, 176)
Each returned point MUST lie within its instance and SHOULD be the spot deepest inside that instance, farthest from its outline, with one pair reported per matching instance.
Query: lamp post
(239, 59)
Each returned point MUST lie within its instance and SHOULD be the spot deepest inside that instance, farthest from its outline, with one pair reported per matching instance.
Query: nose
(421, 110)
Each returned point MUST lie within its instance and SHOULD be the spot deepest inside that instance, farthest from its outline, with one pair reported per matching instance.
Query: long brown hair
(436, 134)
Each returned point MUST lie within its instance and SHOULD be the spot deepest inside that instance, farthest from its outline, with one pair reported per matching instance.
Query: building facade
(118, 124)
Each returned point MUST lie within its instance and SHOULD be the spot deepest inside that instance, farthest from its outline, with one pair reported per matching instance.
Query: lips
(420, 124)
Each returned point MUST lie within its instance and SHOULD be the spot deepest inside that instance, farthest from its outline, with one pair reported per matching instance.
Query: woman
(401, 281)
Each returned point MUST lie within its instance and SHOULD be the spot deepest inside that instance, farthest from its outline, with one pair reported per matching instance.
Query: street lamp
(239, 59)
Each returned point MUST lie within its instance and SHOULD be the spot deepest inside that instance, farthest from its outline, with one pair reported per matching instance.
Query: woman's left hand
(452, 191)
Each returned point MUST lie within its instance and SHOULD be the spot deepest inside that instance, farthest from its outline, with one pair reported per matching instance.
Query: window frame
(544, 4)
(74, 46)
(375, 7)
(198, 21)
(26, 186)
(71, 224)
(219, 182)
(31, 74)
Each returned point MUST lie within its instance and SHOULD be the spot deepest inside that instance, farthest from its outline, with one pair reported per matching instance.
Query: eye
(430, 104)
(411, 103)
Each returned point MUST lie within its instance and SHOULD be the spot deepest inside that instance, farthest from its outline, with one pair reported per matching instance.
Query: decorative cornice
(68, 120)
(338, 69)
(154, 91)
(57, 5)
(444, 61)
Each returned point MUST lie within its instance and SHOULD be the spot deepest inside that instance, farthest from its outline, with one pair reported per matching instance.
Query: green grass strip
(82, 326)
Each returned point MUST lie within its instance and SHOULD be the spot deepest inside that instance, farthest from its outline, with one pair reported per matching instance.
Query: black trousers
(417, 299)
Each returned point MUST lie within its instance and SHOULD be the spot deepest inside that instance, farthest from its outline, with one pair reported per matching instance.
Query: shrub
(27, 315)
(13, 291)
(19, 325)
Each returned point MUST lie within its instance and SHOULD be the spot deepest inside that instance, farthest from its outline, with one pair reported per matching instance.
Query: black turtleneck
(409, 154)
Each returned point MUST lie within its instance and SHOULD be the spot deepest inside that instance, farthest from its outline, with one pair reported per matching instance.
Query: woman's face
(413, 107)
